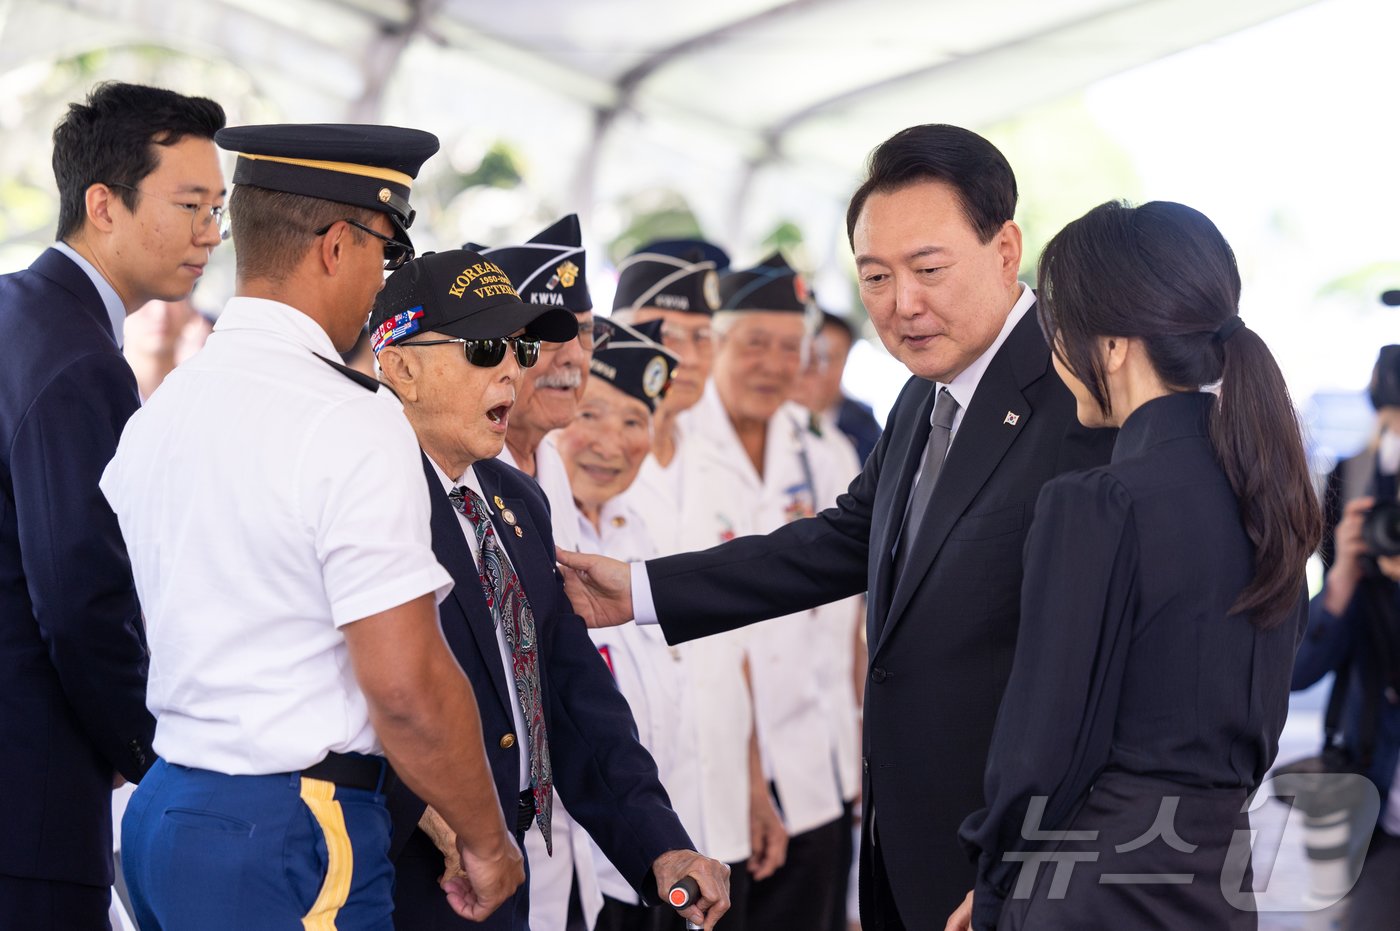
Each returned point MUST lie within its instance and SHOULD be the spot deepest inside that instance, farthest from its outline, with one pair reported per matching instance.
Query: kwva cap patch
(462, 294)
(632, 359)
(687, 283)
(362, 165)
(548, 270)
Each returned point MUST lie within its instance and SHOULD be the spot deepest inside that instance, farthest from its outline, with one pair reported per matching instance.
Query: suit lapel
(998, 414)
(64, 272)
(475, 629)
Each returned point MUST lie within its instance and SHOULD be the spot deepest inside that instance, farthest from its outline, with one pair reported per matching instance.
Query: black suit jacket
(72, 649)
(603, 774)
(941, 635)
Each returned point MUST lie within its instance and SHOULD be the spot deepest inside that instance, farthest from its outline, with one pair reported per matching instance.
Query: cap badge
(566, 274)
(384, 195)
(654, 377)
(799, 288)
(396, 328)
(711, 289)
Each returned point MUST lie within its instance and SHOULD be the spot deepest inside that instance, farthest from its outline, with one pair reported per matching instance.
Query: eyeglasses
(488, 353)
(585, 338)
(679, 337)
(396, 254)
(202, 216)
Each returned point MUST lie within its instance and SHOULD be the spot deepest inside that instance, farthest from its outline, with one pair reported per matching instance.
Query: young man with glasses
(140, 205)
(287, 573)
(453, 342)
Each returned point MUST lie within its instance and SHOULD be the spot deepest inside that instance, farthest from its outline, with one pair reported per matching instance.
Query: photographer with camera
(1354, 631)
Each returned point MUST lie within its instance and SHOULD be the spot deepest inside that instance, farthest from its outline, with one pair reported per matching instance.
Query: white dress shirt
(267, 501)
(470, 480)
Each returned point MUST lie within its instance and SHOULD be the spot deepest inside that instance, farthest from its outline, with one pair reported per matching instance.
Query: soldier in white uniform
(602, 451)
(291, 617)
(550, 271)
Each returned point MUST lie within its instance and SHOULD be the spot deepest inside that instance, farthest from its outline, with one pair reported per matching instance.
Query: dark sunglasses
(488, 353)
(396, 254)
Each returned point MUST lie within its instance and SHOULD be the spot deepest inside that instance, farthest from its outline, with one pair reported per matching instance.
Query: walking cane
(684, 892)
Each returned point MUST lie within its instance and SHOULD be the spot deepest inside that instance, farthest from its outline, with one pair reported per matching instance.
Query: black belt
(525, 811)
(351, 771)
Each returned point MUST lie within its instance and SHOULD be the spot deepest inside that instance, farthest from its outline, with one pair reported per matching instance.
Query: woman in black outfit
(1162, 602)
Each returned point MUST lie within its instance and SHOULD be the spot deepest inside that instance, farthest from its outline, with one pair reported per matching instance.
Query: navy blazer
(72, 647)
(942, 635)
(605, 777)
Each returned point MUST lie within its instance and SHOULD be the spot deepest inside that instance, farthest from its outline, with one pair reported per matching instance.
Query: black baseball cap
(462, 294)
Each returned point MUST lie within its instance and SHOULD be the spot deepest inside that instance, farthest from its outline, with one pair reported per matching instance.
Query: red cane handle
(684, 894)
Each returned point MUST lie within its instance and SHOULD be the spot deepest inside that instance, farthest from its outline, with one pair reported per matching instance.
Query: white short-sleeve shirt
(267, 501)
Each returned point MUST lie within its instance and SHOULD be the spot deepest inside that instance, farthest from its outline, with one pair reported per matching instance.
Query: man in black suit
(932, 527)
(550, 711)
(140, 210)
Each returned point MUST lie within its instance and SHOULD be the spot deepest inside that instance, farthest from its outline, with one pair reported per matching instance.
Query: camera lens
(1381, 529)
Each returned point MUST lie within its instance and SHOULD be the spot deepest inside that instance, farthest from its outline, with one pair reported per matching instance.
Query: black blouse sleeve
(1055, 724)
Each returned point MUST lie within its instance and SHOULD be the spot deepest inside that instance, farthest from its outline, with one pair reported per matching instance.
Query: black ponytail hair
(1162, 273)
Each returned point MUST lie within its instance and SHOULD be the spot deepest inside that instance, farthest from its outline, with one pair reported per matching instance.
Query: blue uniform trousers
(207, 852)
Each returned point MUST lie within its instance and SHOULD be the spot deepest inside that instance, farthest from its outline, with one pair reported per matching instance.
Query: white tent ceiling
(728, 101)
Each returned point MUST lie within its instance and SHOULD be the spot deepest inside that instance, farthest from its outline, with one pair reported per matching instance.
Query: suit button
(507, 741)
(878, 674)
(865, 764)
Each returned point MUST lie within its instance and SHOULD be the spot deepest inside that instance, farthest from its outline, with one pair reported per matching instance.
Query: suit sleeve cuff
(643, 607)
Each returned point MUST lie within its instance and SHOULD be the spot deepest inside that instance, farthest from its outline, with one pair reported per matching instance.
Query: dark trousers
(623, 916)
(1374, 901)
(841, 882)
(799, 894)
(421, 905)
(229, 853)
(877, 908)
(44, 905)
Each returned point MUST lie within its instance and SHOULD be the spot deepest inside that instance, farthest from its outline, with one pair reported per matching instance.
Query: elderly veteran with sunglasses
(291, 617)
(549, 270)
(452, 340)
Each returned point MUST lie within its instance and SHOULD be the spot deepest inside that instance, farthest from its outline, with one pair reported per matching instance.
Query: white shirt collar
(116, 310)
(284, 320)
(964, 386)
(467, 478)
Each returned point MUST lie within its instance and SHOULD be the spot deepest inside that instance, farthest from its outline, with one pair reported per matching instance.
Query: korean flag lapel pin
(1011, 419)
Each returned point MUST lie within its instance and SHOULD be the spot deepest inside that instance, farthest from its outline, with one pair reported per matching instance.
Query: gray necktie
(940, 435)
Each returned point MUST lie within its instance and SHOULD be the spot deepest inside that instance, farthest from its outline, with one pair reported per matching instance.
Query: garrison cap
(362, 165)
(771, 285)
(632, 359)
(680, 248)
(653, 279)
(548, 270)
(462, 294)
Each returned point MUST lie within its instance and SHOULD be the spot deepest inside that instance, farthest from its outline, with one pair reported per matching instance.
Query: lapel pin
(508, 516)
(519, 532)
(619, 521)
(1011, 418)
(499, 503)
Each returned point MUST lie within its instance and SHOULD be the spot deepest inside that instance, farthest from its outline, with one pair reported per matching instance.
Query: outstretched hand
(599, 588)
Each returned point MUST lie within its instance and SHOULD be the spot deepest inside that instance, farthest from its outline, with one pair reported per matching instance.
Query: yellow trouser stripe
(319, 796)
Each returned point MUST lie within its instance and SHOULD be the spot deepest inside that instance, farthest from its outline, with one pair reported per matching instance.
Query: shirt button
(878, 674)
(507, 741)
